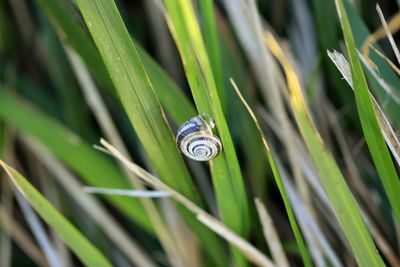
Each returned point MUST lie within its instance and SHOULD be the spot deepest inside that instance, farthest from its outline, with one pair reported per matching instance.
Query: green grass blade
(279, 182)
(136, 93)
(241, 124)
(82, 248)
(360, 34)
(327, 21)
(372, 132)
(198, 70)
(141, 104)
(70, 30)
(211, 40)
(167, 90)
(92, 167)
(63, 82)
(227, 179)
(74, 35)
(340, 196)
(234, 209)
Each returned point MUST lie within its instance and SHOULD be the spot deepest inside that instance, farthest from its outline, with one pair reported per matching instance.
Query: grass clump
(133, 72)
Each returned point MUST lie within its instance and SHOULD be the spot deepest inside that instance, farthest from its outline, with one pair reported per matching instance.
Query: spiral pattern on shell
(196, 140)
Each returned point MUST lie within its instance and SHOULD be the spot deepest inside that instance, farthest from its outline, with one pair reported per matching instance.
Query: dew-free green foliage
(83, 249)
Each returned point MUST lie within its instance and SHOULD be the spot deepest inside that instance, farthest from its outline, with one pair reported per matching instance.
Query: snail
(196, 140)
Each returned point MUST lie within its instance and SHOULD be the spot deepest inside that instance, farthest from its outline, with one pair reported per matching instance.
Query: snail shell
(196, 140)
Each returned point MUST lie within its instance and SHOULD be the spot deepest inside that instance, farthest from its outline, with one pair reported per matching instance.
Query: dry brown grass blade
(271, 235)
(388, 33)
(251, 253)
(391, 92)
(186, 243)
(382, 32)
(21, 237)
(379, 53)
(388, 133)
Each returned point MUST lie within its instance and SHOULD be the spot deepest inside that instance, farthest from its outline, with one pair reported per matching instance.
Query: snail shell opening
(196, 140)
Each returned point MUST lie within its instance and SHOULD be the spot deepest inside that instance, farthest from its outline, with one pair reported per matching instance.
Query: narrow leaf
(82, 248)
(71, 31)
(92, 167)
(227, 178)
(346, 210)
(211, 41)
(225, 167)
(279, 182)
(372, 132)
(139, 99)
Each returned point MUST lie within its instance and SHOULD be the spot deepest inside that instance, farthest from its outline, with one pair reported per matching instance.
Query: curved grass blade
(167, 90)
(20, 237)
(360, 34)
(92, 167)
(227, 178)
(136, 92)
(345, 208)
(241, 124)
(139, 99)
(248, 250)
(369, 122)
(71, 31)
(61, 77)
(279, 182)
(82, 248)
(387, 131)
(225, 168)
(92, 208)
